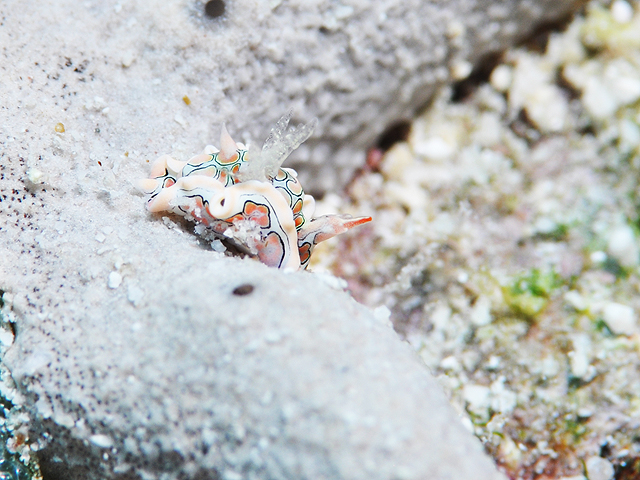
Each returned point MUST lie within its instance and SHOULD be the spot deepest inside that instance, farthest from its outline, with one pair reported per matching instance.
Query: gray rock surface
(358, 66)
(294, 380)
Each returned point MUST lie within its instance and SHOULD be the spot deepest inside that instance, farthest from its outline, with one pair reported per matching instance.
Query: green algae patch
(528, 295)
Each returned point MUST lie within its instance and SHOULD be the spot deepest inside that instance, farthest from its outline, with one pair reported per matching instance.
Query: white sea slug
(246, 196)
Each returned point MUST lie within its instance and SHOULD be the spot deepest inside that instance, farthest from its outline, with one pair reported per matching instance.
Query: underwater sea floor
(505, 242)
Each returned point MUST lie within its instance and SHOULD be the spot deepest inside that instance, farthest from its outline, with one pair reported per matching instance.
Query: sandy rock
(161, 77)
(288, 379)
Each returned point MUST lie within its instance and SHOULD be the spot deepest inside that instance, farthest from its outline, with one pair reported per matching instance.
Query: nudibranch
(245, 196)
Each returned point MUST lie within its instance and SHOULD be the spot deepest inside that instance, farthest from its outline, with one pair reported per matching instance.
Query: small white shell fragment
(455, 29)
(231, 475)
(102, 441)
(218, 246)
(6, 337)
(599, 468)
(597, 99)
(621, 11)
(621, 319)
(500, 78)
(450, 363)
(503, 400)
(478, 396)
(577, 301)
(115, 279)
(623, 247)
(549, 367)
(100, 238)
(481, 312)
(343, 11)
(127, 59)
(549, 108)
(135, 294)
(35, 176)
(579, 357)
(629, 135)
(461, 69)
(434, 148)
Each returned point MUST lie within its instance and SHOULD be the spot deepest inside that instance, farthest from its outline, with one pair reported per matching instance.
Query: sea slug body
(246, 196)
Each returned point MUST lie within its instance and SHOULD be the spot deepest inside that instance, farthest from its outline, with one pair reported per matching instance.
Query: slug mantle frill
(246, 196)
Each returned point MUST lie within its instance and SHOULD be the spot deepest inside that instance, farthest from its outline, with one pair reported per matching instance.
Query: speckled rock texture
(124, 67)
(294, 380)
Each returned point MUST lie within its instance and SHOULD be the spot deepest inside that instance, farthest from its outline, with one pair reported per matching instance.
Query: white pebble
(6, 337)
(500, 78)
(343, 11)
(100, 238)
(127, 59)
(621, 77)
(135, 294)
(629, 134)
(549, 367)
(503, 400)
(599, 468)
(481, 312)
(547, 107)
(450, 363)
(577, 301)
(493, 363)
(461, 69)
(35, 176)
(456, 29)
(598, 100)
(623, 247)
(231, 475)
(434, 148)
(115, 279)
(580, 356)
(102, 441)
(621, 11)
(621, 319)
(477, 396)
(218, 246)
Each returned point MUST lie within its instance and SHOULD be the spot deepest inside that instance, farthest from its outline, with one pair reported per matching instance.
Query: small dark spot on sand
(214, 8)
(244, 289)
